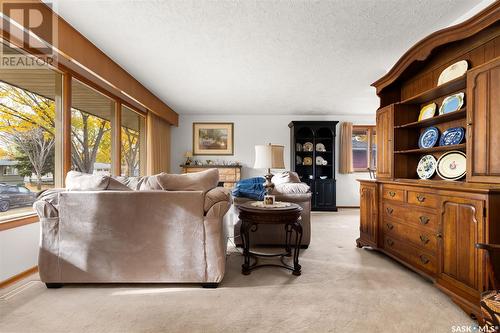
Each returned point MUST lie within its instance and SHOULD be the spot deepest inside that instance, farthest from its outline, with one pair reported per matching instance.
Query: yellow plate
(427, 111)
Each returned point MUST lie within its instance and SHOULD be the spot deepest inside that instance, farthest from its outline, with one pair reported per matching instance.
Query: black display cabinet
(312, 145)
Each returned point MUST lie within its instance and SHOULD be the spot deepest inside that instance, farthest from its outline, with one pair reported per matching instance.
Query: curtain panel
(158, 145)
(346, 148)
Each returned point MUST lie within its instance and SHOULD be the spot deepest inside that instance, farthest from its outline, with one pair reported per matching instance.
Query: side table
(289, 217)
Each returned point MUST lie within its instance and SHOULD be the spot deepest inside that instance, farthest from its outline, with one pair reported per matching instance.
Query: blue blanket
(252, 188)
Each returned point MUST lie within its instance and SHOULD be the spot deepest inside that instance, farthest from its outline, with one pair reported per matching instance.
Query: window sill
(18, 222)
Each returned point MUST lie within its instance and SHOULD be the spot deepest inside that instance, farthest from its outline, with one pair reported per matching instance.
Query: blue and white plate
(426, 167)
(452, 103)
(428, 138)
(452, 136)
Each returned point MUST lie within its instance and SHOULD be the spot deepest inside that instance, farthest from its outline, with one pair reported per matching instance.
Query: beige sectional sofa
(163, 228)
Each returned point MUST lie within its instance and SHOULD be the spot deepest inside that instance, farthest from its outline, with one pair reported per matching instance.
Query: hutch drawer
(394, 210)
(393, 193)
(422, 218)
(419, 237)
(423, 199)
(419, 258)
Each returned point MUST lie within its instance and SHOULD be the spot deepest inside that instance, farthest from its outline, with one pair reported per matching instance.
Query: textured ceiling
(260, 57)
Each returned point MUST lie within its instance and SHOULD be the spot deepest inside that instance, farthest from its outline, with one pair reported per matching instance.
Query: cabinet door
(324, 194)
(461, 228)
(368, 215)
(483, 117)
(384, 142)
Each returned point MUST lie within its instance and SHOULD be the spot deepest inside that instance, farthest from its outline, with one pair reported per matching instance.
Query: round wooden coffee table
(289, 217)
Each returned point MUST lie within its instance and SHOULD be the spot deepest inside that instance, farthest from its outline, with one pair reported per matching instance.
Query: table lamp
(269, 157)
(188, 156)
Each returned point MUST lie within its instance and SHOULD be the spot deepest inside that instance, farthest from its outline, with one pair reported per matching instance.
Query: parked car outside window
(15, 196)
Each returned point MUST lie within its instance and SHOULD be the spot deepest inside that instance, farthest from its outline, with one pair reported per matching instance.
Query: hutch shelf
(432, 225)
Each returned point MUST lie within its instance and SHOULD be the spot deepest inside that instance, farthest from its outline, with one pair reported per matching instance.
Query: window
(132, 143)
(91, 115)
(364, 148)
(28, 135)
(10, 171)
(23, 189)
(32, 156)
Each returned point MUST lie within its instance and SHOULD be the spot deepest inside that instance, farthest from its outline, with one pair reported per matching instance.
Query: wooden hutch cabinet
(432, 225)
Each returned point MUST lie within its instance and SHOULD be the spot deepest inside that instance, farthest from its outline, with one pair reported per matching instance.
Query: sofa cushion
(133, 183)
(198, 181)
(151, 183)
(285, 177)
(78, 181)
(115, 185)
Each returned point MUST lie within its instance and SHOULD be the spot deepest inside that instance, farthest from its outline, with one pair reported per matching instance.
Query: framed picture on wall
(213, 139)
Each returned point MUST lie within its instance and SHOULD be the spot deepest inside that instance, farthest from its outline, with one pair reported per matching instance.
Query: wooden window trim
(369, 129)
(18, 222)
(77, 54)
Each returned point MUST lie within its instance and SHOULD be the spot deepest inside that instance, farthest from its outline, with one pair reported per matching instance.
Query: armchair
(490, 300)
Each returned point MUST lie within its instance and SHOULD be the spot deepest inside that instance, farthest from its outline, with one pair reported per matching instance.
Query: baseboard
(351, 207)
(18, 277)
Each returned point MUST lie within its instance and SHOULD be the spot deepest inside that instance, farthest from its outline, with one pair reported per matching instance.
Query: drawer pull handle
(392, 194)
(390, 226)
(424, 259)
(389, 210)
(439, 235)
(390, 242)
(424, 220)
(424, 239)
(420, 198)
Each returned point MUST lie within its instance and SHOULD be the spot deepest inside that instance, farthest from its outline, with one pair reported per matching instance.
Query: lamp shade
(269, 157)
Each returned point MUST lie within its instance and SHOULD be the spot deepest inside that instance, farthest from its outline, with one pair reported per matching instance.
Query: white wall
(250, 130)
(18, 250)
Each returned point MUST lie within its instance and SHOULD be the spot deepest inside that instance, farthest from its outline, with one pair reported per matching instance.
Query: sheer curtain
(158, 145)
(346, 148)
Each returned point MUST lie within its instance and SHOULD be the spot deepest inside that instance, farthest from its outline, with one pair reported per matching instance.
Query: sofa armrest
(47, 203)
(216, 195)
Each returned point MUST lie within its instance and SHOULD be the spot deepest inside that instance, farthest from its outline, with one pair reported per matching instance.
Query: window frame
(63, 101)
(370, 129)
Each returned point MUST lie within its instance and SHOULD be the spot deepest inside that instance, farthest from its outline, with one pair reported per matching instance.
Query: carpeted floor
(342, 289)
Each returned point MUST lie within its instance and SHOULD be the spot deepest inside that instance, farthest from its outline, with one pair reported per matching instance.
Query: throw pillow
(285, 177)
(197, 181)
(78, 181)
(291, 188)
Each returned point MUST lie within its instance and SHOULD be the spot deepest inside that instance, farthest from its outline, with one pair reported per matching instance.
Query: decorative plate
(298, 160)
(307, 161)
(298, 147)
(452, 103)
(320, 147)
(319, 160)
(452, 72)
(307, 146)
(426, 167)
(452, 165)
(452, 136)
(428, 138)
(427, 111)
